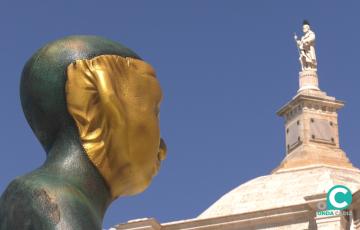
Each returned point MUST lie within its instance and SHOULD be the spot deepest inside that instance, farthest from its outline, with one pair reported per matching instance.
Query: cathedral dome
(282, 189)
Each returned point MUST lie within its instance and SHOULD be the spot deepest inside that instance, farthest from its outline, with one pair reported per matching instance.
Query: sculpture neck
(67, 161)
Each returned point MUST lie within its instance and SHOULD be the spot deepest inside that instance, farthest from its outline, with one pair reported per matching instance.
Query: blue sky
(225, 68)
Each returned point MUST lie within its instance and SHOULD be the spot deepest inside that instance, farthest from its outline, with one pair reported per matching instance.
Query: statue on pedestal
(306, 46)
(94, 105)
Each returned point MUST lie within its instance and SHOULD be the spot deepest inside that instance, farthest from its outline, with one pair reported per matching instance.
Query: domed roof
(282, 189)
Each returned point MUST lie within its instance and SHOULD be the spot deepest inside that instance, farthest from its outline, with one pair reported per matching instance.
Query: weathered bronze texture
(93, 105)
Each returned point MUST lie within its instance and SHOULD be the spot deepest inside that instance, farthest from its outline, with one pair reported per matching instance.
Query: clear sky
(225, 67)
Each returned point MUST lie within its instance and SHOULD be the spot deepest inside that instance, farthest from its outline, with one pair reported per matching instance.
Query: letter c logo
(339, 197)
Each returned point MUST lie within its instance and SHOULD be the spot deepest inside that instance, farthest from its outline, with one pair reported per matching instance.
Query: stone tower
(311, 127)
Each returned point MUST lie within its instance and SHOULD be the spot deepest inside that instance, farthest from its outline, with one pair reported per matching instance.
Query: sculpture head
(109, 95)
(306, 26)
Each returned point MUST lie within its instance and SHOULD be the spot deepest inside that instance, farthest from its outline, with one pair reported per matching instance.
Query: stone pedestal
(308, 79)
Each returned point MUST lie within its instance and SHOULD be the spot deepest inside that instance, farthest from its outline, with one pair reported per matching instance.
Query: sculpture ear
(94, 104)
(90, 89)
(107, 72)
(80, 91)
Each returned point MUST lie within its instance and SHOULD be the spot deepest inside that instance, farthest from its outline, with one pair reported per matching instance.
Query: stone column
(331, 222)
(355, 207)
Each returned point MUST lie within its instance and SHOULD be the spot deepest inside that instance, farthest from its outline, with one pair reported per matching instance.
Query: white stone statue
(306, 47)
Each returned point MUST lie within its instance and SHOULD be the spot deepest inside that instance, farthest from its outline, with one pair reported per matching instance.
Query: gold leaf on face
(114, 102)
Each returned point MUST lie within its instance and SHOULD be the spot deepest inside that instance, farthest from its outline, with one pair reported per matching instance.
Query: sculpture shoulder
(35, 202)
(26, 205)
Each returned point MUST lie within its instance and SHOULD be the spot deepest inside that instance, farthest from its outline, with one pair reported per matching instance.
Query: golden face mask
(115, 104)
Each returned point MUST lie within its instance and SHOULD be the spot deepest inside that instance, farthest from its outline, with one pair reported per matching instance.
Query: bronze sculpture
(93, 104)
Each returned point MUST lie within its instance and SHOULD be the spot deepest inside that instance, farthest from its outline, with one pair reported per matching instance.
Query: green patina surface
(66, 192)
(42, 88)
